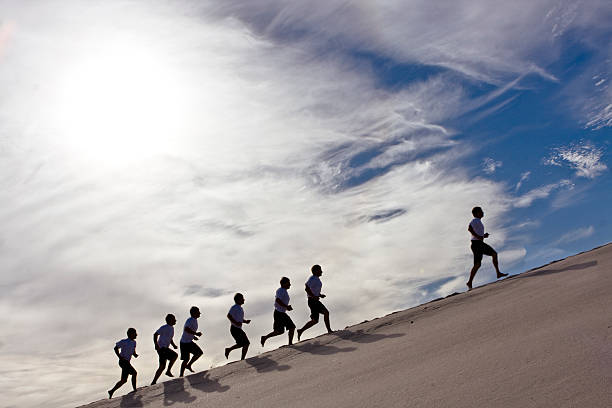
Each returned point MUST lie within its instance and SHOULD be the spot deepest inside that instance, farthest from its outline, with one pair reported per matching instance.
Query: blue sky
(162, 156)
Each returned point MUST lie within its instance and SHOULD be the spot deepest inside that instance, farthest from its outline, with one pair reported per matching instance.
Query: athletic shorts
(479, 248)
(282, 321)
(166, 354)
(316, 308)
(190, 348)
(240, 336)
(126, 369)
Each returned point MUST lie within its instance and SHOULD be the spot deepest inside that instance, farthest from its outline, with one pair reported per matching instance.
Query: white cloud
(511, 256)
(529, 197)
(576, 235)
(584, 157)
(524, 177)
(489, 165)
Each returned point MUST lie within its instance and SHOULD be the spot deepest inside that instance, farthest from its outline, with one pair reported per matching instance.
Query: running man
(313, 290)
(236, 318)
(282, 320)
(479, 248)
(163, 339)
(188, 347)
(125, 349)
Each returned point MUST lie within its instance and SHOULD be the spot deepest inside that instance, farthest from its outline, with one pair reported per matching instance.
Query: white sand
(539, 339)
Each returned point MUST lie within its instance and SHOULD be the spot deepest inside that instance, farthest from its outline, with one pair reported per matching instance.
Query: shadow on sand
(360, 336)
(265, 364)
(203, 382)
(321, 349)
(545, 272)
(131, 400)
(174, 391)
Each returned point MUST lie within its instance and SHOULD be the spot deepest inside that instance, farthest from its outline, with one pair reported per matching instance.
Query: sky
(158, 155)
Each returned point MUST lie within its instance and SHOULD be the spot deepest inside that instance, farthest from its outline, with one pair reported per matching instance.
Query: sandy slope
(539, 339)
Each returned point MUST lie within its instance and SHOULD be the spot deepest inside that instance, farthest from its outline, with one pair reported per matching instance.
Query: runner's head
(285, 282)
(131, 333)
(316, 270)
(170, 319)
(194, 312)
(477, 212)
(239, 299)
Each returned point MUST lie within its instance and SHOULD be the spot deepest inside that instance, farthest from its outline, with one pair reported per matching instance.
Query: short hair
(194, 309)
(238, 296)
(131, 330)
(284, 279)
(475, 210)
(315, 268)
(169, 317)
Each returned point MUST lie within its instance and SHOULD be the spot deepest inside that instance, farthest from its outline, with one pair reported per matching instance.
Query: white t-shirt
(315, 285)
(478, 228)
(283, 295)
(192, 323)
(127, 347)
(166, 333)
(237, 314)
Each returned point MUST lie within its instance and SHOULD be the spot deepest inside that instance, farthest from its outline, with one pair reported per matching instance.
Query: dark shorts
(282, 321)
(316, 308)
(166, 354)
(190, 348)
(240, 336)
(479, 248)
(126, 369)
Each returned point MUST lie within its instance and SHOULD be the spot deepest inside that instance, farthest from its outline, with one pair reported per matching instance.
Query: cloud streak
(538, 193)
(576, 235)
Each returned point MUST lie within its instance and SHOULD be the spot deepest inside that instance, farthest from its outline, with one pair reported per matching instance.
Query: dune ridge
(539, 338)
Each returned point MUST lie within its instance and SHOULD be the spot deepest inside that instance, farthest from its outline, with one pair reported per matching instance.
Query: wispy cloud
(465, 38)
(524, 177)
(584, 158)
(576, 235)
(529, 197)
(489, 165)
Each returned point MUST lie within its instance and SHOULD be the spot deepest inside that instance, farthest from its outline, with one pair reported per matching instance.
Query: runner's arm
(231, 319)
(280, 302)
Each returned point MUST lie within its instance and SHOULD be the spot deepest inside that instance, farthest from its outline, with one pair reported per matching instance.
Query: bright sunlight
(120, 103)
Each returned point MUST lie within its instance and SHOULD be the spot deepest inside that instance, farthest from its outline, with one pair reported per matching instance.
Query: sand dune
(539, 339)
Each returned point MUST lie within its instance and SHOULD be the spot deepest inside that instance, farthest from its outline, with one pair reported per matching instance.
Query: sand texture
(539, 339)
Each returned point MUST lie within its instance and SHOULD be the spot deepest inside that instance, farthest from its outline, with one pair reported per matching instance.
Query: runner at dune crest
(479, 248)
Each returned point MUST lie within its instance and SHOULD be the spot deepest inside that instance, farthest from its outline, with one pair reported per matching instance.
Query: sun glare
(120, 104)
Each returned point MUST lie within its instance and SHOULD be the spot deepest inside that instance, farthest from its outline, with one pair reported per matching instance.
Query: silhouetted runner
(125, 349)
(163, 339)
(188, 347)
(479, 248)
(236, 318)
(282, 320)
(313, 290)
